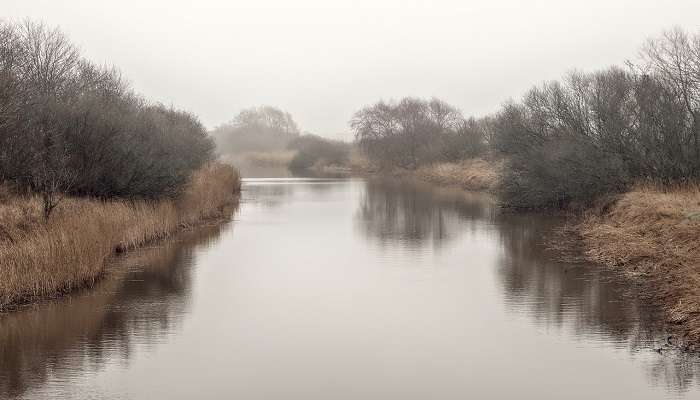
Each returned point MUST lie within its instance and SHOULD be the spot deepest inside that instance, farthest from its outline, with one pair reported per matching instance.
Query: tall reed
(45, 259)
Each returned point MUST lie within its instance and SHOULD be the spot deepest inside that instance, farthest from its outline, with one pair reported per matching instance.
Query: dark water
(348, 289)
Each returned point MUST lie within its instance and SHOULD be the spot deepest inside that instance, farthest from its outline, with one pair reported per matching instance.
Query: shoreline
(648, 235)
(45, 260)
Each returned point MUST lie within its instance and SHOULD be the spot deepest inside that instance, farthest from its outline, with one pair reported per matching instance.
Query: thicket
(68, 126)
(566, 141)
(413, 132)
(312, 150)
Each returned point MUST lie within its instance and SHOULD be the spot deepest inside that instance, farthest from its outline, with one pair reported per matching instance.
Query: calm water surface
(348, 289)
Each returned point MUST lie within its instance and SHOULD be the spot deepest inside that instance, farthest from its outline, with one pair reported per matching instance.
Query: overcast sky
(322, 60)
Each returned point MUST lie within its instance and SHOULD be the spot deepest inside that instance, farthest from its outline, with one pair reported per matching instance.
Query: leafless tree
(68, 126)
(406, 133)
(674, 58)
(263, 128)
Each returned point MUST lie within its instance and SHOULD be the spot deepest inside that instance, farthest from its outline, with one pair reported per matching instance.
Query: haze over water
(348, 289)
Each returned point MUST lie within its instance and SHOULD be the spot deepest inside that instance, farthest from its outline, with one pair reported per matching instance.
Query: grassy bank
(652, 234)
(45, 259)
(476, 174)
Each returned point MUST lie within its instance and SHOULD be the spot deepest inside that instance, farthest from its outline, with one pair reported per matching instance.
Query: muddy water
(348, 289)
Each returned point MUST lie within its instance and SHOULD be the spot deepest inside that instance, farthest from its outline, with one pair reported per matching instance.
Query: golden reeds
(43, 259)
(473, 174)
(654, 234)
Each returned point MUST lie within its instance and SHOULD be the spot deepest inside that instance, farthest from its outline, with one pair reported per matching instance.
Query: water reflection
(275, 192)
(349, 289)
(416, 214)
(143, 299)
(592, 303)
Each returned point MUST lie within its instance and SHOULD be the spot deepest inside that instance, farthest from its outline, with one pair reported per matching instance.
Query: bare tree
(407, 133)
(70, 127)
(262, 128)
(674, 58)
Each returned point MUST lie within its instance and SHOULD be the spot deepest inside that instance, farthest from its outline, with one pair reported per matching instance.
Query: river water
(348, 289)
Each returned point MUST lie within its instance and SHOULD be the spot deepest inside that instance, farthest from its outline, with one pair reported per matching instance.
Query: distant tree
(406, 133)
(312, 149)
(263, 128)
(267, 118)
(469, 140)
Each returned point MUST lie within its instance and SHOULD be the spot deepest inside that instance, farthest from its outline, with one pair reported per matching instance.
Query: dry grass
(40, 259)
(475, 174)
(654, 234)
(268, 159)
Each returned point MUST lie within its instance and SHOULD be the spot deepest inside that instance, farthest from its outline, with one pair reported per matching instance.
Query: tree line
(566, 141)
(68, 125)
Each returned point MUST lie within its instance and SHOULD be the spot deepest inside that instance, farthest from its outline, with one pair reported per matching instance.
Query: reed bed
(474, 174)
(40, 259)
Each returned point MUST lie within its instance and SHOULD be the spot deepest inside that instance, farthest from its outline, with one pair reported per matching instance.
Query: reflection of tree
(417, 214)
(589, 300)
(143, 298)
(268, 194)
(272, 193)
(532, 279)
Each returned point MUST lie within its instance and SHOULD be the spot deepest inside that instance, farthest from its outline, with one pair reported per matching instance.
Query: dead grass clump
(17, 217)
(654, 233)
(44, 259)
(474, 174)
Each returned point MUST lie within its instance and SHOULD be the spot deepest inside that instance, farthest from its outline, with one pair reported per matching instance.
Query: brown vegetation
(44, 259)
(476, 174)
(654, 234)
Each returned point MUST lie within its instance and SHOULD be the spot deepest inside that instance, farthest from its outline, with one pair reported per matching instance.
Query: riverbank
(69, 251)
(650, 234)
(476, 174)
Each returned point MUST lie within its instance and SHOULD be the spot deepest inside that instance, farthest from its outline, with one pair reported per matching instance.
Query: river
(348, 289)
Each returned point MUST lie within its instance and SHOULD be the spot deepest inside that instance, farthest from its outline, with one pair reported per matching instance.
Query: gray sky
(322, 59)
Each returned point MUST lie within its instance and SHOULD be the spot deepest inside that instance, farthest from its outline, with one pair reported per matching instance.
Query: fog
(322, 60)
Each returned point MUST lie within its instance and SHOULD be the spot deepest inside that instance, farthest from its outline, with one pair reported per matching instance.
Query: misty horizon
(321, 62)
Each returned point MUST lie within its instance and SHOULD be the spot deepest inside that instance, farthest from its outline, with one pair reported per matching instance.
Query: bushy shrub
(312, 149)
(68, 126)
(559, 173)
(571, 140)
(407, 133)
(467, 141)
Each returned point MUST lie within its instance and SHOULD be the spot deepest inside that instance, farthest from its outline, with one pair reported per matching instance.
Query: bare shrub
(68, 126)
(311, 150)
